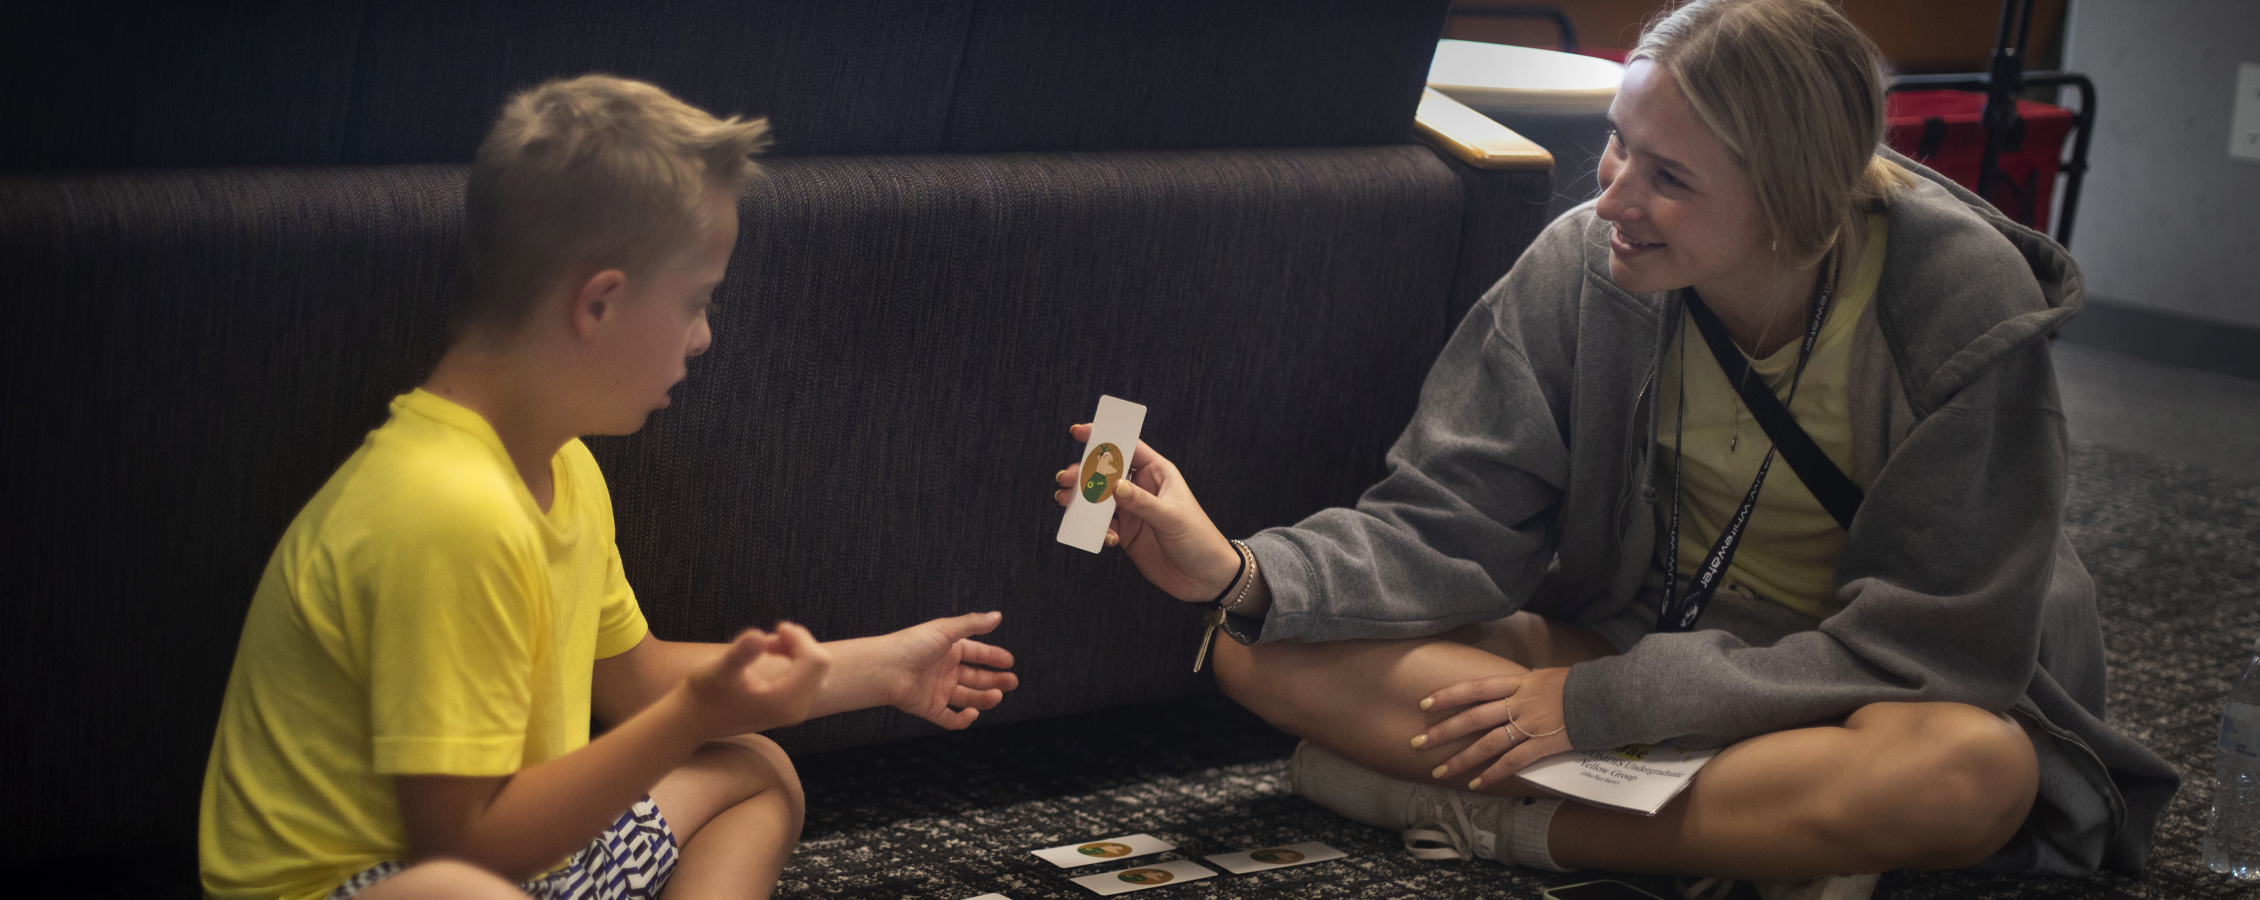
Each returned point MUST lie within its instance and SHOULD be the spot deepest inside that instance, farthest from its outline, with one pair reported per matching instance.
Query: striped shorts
(629, 861)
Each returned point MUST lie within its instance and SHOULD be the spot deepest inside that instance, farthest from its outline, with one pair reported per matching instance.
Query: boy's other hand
(944, 676)
(763, 681)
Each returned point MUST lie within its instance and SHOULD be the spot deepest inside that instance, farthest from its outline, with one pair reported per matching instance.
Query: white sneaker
(1436, 822)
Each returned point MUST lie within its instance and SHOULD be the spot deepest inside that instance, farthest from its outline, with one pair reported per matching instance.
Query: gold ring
(1511, 723)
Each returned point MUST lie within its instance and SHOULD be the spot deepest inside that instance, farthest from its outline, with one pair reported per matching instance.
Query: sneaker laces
(1436, 835)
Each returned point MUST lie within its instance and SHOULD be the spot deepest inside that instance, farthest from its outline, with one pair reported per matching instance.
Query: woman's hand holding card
(1163, 528)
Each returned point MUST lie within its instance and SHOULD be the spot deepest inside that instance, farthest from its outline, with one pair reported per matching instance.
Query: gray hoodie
(1524, 481)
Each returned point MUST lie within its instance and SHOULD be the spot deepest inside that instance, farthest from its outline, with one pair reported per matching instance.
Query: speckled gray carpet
(2175, 553)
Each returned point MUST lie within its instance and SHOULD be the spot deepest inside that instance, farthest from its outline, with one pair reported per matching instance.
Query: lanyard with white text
(1679, 612)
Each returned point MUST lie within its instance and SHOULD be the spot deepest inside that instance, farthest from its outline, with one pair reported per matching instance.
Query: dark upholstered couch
(228, 236)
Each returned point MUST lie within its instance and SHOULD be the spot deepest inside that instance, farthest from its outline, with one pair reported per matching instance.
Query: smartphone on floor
(1598, 890)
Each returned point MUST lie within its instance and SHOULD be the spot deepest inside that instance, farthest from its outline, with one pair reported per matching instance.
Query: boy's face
(662, 322)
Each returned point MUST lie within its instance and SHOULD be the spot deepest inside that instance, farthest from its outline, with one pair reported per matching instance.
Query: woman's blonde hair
(590, 171)
(1795, 91)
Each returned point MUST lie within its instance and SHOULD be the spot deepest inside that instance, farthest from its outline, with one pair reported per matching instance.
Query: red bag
(1943, 130)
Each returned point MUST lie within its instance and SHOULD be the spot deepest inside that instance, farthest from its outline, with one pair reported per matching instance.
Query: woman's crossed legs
(1922, 785)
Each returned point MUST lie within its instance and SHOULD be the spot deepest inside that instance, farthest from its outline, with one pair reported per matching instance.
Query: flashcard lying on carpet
(1108, 850)
(1275, 857)
(1138, 879)
(990, 897)
(1106, 461)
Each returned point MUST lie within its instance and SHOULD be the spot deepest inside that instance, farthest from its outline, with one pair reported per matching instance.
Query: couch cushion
(901, 345)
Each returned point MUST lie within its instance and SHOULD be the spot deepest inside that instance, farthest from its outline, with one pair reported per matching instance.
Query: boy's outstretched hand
(937, 672)
(761, 681)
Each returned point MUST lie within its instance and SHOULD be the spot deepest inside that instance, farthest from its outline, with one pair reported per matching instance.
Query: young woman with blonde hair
(1588, 537)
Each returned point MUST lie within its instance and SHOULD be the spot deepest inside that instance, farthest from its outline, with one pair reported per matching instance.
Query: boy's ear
(597, 300)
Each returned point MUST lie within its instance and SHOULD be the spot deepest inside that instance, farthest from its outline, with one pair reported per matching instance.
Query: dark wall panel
(837, 77)
(1156, 74)
(116, 83)
(97, 83)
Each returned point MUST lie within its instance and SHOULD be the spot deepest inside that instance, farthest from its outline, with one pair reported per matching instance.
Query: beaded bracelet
(1247, 566)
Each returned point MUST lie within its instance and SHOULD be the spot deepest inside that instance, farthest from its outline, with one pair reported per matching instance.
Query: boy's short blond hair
(595, 172)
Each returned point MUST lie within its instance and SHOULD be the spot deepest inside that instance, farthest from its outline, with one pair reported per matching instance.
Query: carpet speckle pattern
(2175, 553)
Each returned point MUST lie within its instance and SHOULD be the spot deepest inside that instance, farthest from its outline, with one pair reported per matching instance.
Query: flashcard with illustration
(1109, 850)
(1275, 857)
(1106, 461)
(1157, 875)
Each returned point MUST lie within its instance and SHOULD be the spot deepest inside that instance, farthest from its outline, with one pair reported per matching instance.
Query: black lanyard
(1680, 612)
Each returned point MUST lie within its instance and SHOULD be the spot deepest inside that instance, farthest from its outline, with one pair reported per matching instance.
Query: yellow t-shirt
(1789, 549)
(421, 616)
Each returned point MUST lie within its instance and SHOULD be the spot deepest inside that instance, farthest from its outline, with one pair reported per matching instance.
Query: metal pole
(2002, 88)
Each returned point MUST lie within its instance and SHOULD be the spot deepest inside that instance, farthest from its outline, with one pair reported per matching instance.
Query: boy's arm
(520, 825)
(933, 670)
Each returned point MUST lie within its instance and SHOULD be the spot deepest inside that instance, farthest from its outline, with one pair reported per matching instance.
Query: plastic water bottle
(2232, 842)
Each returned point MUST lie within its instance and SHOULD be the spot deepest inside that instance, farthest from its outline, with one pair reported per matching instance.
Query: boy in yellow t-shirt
(408, 715)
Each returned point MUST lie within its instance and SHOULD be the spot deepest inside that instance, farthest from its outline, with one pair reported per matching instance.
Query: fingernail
(1427, 702)
(1419, 740)
(1475, 785)
(1438, 773)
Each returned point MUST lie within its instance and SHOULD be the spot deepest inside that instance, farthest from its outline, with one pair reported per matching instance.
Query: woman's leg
(736, 808)
(1361, 699)
(1929, 785)
(1898, 785)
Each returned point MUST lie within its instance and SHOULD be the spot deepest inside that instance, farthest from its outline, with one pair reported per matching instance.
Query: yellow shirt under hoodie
(1789, 549)
(422, 615)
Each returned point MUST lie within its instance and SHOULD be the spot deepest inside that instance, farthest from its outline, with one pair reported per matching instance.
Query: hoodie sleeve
(1461, 528)
(1942, 577)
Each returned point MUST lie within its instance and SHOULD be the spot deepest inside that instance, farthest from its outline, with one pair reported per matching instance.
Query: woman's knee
(1240, 674)
(1281, 682)
(764, 766)
(1948, 786)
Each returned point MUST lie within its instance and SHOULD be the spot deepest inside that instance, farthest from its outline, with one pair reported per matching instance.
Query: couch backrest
(107, 83)
(901, 345)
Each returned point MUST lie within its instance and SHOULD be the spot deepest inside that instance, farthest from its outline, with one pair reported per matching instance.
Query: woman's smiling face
(1683, 211)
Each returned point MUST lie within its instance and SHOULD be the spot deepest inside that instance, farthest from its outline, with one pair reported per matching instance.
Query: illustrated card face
(1108, 850)
(1106, 461)
(1173, 872)
(1275, 857)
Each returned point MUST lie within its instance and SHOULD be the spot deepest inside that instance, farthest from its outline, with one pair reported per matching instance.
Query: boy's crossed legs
(734, 810)
(1923, 785)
